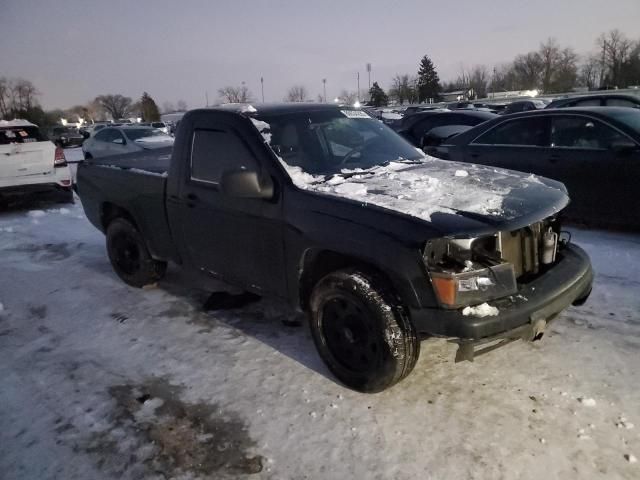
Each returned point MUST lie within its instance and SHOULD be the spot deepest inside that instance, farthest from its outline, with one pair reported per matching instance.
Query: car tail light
(59, 160)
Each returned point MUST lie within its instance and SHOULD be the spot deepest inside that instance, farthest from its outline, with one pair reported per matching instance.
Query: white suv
(29, 162)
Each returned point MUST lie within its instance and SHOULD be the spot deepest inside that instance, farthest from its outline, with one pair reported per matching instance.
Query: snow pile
(587, 402)
(61, 211)
(462, 173)
(482, 310)
(36, 213)
(629, 457)
(248, 109)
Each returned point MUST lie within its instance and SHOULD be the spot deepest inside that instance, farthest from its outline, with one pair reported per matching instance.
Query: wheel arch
(316, 263)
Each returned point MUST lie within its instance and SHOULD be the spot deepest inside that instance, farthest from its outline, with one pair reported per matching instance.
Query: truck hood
(452, 196)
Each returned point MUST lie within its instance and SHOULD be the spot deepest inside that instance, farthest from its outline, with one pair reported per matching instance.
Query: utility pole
(493, 83)
(358, 86)
(324, 89)
(369, 74)
(262, 87)
(206, 96)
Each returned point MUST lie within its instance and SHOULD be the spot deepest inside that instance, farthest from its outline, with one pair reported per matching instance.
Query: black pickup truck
(330, 209)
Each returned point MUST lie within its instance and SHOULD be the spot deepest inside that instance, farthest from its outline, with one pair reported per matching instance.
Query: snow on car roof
(16, 123)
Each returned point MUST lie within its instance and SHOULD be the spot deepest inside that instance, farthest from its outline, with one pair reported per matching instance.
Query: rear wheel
(361, 331)
(129, 255)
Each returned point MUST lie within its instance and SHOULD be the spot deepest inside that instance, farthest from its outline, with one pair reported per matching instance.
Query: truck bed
(135, 182)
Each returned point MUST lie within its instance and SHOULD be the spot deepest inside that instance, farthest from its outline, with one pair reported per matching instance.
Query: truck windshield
(327, 141)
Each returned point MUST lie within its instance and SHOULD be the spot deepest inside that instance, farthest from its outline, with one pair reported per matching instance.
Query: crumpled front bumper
(569, 281)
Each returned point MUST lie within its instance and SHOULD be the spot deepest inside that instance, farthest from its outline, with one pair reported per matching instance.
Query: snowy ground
(99, 380)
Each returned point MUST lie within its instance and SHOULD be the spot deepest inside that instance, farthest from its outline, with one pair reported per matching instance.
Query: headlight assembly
(468, 271)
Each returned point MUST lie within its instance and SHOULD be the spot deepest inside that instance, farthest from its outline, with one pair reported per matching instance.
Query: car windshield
(628, 116)
(138, 133)
(327, 141)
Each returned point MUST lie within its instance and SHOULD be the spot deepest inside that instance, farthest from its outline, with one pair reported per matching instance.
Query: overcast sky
(73, 50)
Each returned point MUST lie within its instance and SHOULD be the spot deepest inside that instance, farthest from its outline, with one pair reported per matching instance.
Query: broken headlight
(468, 271)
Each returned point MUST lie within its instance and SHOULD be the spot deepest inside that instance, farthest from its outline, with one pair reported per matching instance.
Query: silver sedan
(119, 140)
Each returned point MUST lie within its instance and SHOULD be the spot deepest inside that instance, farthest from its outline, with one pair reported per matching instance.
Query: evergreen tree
(149, 109)
(378, 97)
(428, 81)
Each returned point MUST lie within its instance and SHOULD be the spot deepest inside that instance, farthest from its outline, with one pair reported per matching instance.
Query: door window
(529, 132)
(621, 102)
(214, 152)
(107, 135)
(593, 102)
(583, 132)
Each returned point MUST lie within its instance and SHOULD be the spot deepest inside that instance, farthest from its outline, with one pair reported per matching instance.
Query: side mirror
(246, 184)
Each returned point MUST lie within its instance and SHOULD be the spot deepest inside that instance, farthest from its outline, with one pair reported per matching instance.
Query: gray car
(119, 140)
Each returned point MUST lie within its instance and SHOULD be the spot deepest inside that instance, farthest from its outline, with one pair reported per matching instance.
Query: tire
(130, 257)
(361, 331)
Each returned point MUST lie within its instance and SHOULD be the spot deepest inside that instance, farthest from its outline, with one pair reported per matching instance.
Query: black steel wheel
(129, 255)
(361, 331)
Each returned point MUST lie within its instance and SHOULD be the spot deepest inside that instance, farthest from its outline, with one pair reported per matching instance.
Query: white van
(29, 162)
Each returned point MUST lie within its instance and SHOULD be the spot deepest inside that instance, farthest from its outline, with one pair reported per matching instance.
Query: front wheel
(129, 255)
(361, 331)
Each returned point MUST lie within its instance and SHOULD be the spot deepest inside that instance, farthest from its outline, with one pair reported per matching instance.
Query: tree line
(19, 99)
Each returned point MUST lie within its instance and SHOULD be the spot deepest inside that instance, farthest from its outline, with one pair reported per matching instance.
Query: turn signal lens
(446, 289)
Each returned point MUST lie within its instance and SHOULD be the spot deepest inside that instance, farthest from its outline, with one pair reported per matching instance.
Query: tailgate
(26, 159)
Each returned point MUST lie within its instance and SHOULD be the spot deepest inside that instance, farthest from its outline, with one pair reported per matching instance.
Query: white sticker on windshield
(355, 114)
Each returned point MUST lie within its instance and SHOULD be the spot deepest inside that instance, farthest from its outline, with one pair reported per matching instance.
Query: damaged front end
(470, 271)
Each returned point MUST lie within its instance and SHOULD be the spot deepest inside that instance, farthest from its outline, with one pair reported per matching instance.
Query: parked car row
(594, 151)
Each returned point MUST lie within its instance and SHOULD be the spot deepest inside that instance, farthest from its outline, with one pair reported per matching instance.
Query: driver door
(237, 239)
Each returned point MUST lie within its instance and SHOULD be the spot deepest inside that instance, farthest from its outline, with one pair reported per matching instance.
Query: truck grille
(523, 248)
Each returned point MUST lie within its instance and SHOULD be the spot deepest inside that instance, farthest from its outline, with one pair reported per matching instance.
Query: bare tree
(527, 69)
(590, 72)
(181, 106)
(348, 97)
(615, 48)
(239, 94)
(297, 93)
(404, 87)
(565, 72)
(5, 97)
(548, 57)
(118, 106)
(24, 94)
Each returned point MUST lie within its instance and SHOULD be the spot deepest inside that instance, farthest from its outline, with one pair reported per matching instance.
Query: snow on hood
(422, 188)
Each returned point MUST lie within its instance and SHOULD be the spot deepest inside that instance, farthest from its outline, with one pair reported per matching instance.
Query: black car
(604, 100)
(65, 136)
(414, 127)
(314, 204)
(595, 152)
(524, 106)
